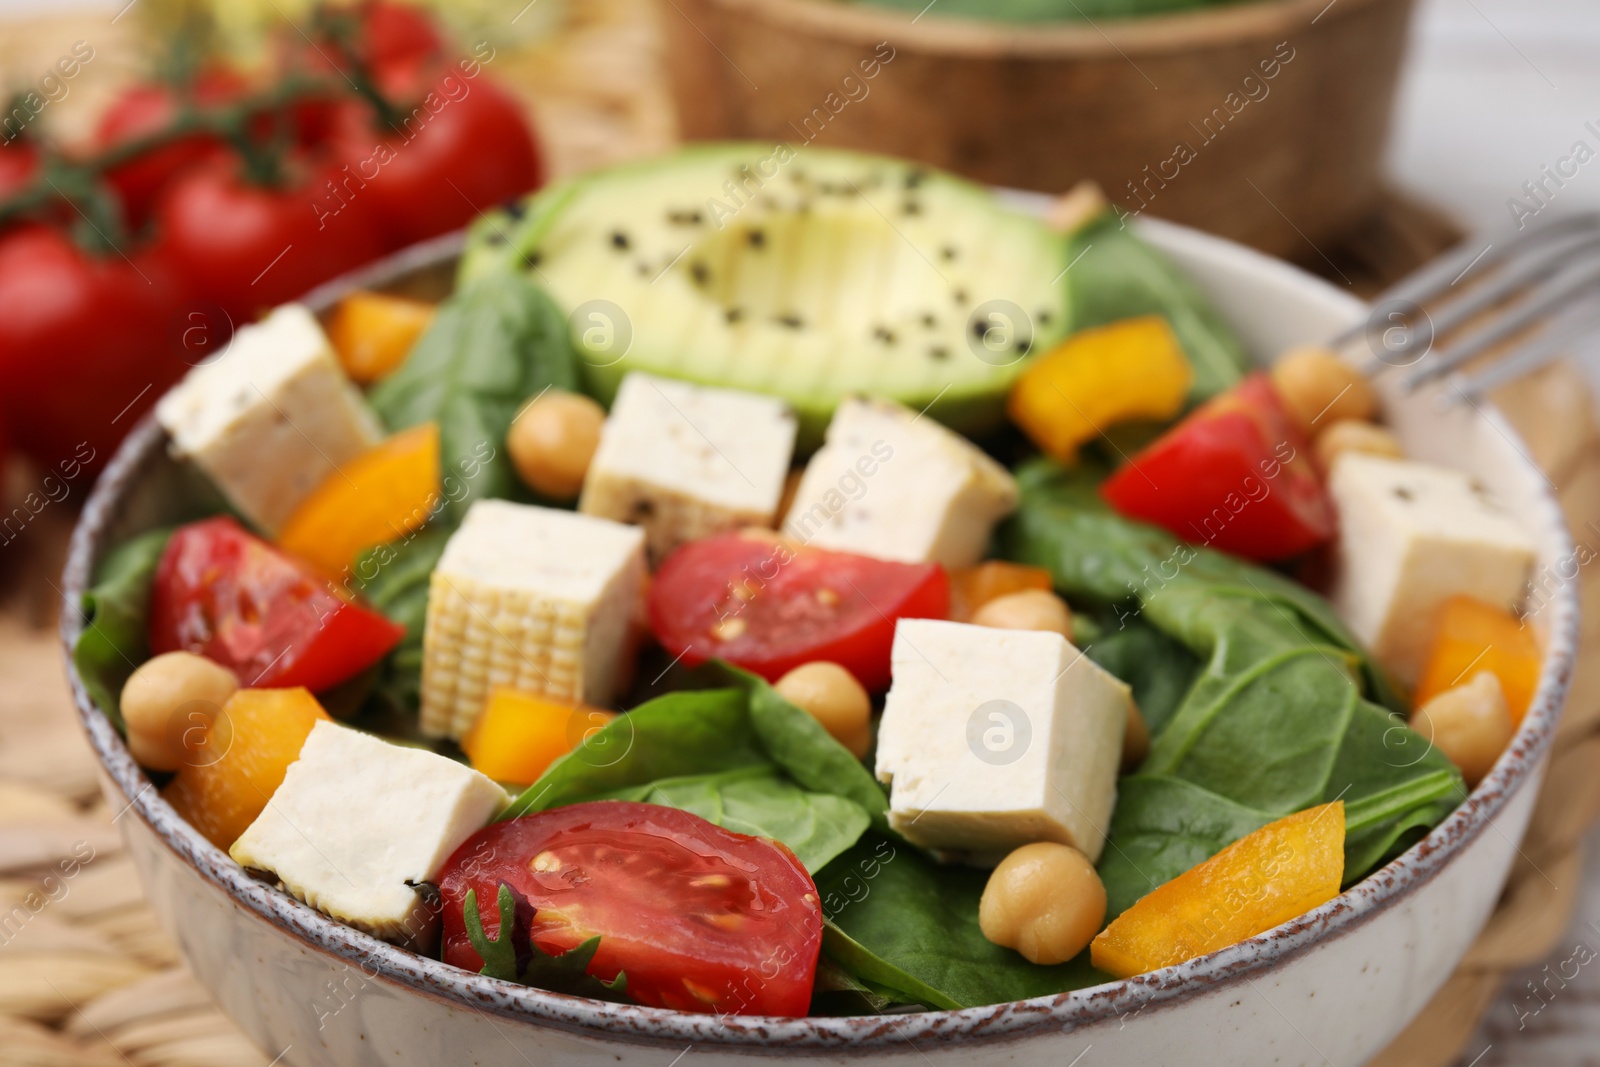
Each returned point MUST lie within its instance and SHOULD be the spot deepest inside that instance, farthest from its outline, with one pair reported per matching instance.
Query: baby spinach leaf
(1283, 714)
(1117, 275)
(513, 957)
(705, 752)
(1159, 670)
(759, 800)
(113, 640)
(911, 925)
(1162, 827)
(394, 579)
(494, 344)
(797, 742)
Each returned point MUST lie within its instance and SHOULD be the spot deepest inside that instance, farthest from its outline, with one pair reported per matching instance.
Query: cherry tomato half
(1235, 474)
(250, 247)
(699, 918)
(86, 343)
(768, 605)
(233, 598)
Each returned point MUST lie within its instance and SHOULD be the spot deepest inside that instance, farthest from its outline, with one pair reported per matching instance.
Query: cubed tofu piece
(534, 599)
(993, 738)
(687, 461)
(270, 417)
(1411, 536)
(892, 484)
(359, 821)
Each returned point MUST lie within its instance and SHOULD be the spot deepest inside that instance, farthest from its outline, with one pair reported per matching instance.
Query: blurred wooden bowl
(1263, 122)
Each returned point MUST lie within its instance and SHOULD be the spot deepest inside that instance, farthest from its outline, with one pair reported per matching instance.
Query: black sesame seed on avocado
(619, 240)
(949, 252)
(757, 238)
(929, 319)
(789, 319)
(939, 352)
(699, 272)
(884, 334)
(684, 218)
(733, 314)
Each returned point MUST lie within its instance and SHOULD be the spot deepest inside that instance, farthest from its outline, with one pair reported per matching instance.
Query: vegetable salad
(667, 688)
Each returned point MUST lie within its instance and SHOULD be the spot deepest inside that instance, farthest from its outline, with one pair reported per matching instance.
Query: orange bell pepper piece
(1473, 636)
(1133, 369)
(383, 494)
(373, 332)
(1268, 877)
(518, 735)
(973, 587)
(227, 779)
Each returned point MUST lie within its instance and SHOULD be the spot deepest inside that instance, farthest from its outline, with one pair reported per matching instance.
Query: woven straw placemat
(86, 975)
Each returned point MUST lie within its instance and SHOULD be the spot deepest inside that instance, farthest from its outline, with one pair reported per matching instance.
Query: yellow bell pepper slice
(973, 587)
(518, 735)
(372, 333)
(1280, 871)
(1472, 636)
(382, 494)
(1133, 369)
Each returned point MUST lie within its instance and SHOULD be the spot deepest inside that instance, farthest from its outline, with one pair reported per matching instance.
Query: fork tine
(1547, 348)
(1541, 300)
(1568, 235)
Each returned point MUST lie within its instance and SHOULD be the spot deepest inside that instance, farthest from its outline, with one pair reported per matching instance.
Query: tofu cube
(687, 461)
(993, 738)
(1412, 535)
(358, 821)
(534, 599)
(270, 417)
(892, 484)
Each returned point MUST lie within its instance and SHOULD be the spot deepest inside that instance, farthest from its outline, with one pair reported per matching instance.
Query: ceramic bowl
(1332, 986)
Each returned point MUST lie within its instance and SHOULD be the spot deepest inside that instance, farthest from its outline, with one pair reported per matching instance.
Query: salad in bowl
(787, 584)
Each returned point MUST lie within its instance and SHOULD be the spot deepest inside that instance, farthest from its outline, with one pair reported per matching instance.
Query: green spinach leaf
(1159, 670)
(1116, 275)
(113, 641)
(494, 344)
(1279, 718)
(706, 751)
(910, 926)
(394, 578)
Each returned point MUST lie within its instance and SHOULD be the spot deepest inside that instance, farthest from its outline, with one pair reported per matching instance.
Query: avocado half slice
(806, 273)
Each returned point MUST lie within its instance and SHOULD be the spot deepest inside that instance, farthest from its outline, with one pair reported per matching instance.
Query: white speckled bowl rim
(864, 1034)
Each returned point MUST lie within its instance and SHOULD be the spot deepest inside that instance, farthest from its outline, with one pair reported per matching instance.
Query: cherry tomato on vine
(85, 343)
(233, 598)
(146, 109)
(251, 247)
(699, 918)
(465, 147)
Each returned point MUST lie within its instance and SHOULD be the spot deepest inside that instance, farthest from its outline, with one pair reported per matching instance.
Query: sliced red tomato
(19, 162)
(699, 918)
(233, 598)
(768, 605)
(1235, 474)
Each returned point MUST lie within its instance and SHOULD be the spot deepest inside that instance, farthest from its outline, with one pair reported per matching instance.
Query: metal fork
(1526, 298)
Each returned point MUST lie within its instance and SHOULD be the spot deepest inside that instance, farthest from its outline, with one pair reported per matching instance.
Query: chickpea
(1135, 738)
(1031, 609)
(157, 691)
(1350, 435)
(834, 698)
(1319, 387)
(1044, 900)
(1470, 724)
(552, 442)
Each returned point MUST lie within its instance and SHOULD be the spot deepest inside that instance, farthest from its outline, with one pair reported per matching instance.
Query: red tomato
(86, 343)
(144, 109)
(1235, 474)
(236, 599)
(19, 161)
(769, 605)
(464, 148)
(698, 917)
(250, 248)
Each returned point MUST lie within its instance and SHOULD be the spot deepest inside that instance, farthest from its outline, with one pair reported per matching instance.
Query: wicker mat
(87, 977)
